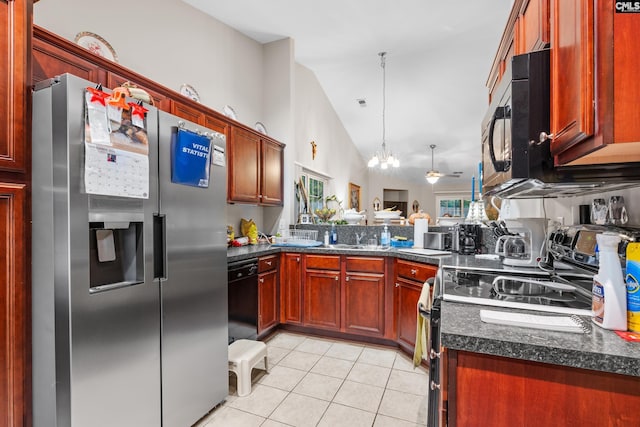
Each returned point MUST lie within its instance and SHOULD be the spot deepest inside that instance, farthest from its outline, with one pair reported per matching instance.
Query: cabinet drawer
(323, 262)
(365, 264)
(415, 271)
(267, 263)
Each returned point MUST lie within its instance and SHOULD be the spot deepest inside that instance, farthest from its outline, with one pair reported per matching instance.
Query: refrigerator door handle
(159, 246)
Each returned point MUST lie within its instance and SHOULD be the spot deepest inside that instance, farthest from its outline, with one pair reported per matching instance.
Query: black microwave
(519, 112)
(515, 162)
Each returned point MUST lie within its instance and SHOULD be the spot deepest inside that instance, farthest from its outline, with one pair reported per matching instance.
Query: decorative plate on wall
(189, 92)
(261, 128)
(96, 45)
(229, 112)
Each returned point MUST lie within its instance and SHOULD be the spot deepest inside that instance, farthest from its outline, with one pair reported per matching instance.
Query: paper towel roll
(420, 226)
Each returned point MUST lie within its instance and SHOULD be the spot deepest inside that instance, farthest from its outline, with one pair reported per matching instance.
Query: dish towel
(422, 329)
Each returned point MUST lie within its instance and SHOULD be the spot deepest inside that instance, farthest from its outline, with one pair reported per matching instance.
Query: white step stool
(244, 355)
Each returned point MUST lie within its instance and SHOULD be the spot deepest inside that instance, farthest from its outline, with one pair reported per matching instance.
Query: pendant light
(383, 158)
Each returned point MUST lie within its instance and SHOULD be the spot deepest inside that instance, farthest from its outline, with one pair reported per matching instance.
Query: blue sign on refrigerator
(190, 163)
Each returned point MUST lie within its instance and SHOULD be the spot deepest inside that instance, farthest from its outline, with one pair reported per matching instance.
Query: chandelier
(383, 158)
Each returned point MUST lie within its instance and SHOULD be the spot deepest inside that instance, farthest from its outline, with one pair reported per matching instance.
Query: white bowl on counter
(352, 216)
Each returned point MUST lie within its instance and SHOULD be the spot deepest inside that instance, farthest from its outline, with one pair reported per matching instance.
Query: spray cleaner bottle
(609, 299)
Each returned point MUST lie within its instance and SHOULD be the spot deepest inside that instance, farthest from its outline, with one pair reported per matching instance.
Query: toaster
(437, 240)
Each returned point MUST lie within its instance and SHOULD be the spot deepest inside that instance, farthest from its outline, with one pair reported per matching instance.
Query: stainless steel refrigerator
(129, 293)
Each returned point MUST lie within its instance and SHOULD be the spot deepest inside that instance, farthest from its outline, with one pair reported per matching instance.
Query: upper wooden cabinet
(15, 46)
(255, 169)
(527, 30)
(594, 83)
(255, 161)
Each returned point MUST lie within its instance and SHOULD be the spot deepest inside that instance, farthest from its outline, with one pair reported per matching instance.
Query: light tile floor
(323, 382)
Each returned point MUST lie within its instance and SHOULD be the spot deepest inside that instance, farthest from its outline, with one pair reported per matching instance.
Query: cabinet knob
(434, 355)
(337, 278)
(397, 285)
(262, 280)
(268, 262)
(545, 136)
(413, 271)
(434, 385)
(346, 279)
(298, 259)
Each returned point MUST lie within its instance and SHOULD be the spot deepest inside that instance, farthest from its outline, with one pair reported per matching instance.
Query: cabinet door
(572, 73)
(14, 307)
(244, 166)
(322, 299)
(15, 79)
(50, 61)
(407, 297)
(115, 80)
(188, 113)
(267, 300)
(532, 26)
(364, 303)
(291, 289)
(217, 125)
(271, 173)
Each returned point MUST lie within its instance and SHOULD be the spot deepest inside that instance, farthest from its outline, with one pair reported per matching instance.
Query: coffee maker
(523, 245)
(466, 238)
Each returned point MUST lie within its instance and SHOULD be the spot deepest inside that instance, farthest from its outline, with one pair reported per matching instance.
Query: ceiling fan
(433, 175)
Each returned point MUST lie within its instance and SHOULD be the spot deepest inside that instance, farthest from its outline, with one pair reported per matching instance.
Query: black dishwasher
(243, 299)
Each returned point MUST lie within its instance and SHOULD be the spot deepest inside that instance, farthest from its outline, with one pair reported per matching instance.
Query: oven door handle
(501, 112)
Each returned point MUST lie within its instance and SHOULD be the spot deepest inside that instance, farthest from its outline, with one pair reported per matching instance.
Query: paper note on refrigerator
(118, 166)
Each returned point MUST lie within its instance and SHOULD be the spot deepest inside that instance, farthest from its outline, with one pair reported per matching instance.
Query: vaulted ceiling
(438, 58)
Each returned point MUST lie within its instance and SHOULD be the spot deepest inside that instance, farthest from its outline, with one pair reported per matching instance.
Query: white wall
(336, 155)
(261, 82)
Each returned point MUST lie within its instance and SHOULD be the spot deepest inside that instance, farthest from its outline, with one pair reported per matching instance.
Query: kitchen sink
(344, 246)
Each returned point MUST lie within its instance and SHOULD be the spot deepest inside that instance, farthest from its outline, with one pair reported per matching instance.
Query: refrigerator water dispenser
(115, 255)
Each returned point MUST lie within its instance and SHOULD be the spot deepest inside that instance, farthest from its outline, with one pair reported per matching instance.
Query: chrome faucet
(359, 237)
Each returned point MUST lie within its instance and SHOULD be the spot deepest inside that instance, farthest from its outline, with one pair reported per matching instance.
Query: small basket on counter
(300, 238)
(398, 243)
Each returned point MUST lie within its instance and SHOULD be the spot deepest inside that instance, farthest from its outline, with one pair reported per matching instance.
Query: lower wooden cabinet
(267, 300)
(486, 390)
(364, 296)
(364, 303)
(407, 295)
(291, 289)
(409, 279)
(268, 272)
(322, 299)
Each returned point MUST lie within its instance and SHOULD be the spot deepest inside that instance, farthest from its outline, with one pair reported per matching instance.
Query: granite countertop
(599, 349)
(462, 329)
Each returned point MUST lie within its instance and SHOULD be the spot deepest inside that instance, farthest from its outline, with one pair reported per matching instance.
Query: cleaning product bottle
(326, 238)
(385, 238)
(333, 236)
(633, 286)
(609, 299)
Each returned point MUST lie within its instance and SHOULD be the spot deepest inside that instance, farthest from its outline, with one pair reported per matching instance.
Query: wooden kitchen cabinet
(267, 293)
(527, 30)
(15, 54)
(409, 279)
(594, 83)
(364, 296)
(485, 390)
(15, 213)
(255, 169)
(322, 292)
(291, 289)
(271, 173)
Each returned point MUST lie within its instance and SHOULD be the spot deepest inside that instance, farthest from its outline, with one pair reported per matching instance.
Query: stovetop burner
(534, 291)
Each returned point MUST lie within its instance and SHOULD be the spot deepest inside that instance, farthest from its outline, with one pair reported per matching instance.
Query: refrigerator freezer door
(194, 291)
(96, 355)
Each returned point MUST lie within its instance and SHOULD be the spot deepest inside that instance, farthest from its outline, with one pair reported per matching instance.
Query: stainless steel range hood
(571, 181)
